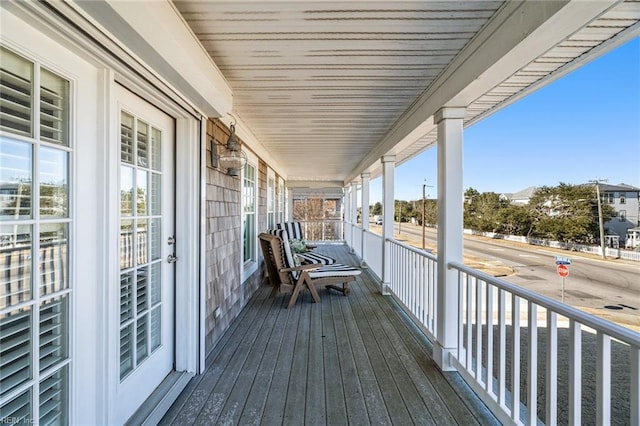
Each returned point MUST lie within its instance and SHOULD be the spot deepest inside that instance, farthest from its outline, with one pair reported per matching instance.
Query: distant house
(625, 200)
(521, 197)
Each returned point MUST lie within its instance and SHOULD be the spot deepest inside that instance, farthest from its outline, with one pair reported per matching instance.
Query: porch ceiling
(328, 87)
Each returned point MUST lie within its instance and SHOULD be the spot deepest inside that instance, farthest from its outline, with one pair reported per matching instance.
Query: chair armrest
(302, 267)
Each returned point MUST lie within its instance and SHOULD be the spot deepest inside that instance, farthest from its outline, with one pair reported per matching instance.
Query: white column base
(442, 357)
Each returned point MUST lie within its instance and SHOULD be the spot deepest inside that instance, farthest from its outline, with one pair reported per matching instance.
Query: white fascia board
(162, 27)
(518, 34)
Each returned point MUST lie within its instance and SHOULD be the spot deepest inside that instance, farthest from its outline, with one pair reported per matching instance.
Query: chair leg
(344, 289)
(296, 291)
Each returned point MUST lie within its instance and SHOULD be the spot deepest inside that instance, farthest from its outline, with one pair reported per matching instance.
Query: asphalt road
(592, 284)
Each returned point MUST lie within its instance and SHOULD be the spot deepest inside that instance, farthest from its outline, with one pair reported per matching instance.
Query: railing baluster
(603, 379)
(502, 362)
(478, 306)
(532, 360)
(552, 368)
(489, 381)
(634, 385)
(575, 373)
(515, 358)
(460, 315)
(469, 325)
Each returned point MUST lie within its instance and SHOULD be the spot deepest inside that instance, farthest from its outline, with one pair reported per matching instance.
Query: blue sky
(583, 126)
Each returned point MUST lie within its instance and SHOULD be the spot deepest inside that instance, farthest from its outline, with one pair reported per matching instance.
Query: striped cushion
(294, 229)
(310, 257)
(335, 270)
(288, 255)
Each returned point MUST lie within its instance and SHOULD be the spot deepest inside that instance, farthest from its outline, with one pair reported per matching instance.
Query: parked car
(377, 219)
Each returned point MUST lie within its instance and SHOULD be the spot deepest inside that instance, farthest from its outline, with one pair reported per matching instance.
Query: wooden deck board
(348, 360)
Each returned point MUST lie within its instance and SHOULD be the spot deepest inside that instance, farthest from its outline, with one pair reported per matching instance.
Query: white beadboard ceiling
(326, 85)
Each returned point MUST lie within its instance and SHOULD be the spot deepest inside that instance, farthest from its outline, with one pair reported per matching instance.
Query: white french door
(144, 323)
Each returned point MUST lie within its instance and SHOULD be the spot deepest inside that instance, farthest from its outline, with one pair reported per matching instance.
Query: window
(271, 201)
(623, 198)
(281, 200)
(608, 197)
(249, 213)
(35, 223)
(623, 215)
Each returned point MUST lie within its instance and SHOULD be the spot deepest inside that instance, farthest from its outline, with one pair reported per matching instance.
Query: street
(592, 284)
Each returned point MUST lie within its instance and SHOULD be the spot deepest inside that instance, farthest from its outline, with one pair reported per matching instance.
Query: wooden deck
(348, 360)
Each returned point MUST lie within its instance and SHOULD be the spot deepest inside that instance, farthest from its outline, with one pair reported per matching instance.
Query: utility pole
(600, 219)
(424, 215)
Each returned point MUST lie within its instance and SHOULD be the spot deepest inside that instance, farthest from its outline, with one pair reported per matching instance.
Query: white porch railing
(373, 256)
(323, 230)
(413, 276)
(502, 331)
(516, 345)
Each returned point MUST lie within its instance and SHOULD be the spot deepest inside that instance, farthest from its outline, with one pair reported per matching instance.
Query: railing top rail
(412, 249)
(611, 329)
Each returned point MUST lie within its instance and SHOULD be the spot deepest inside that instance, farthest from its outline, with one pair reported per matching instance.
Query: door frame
(187, 228)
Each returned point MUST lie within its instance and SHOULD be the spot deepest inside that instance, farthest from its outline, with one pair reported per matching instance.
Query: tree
(376, 209)
(481, 211)
(567, 213)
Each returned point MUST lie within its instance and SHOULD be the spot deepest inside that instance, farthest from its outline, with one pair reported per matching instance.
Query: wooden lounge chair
(308, 257)
(285, 276)
(294, 231)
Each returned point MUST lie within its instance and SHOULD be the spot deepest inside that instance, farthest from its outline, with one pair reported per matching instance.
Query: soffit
(321, 83)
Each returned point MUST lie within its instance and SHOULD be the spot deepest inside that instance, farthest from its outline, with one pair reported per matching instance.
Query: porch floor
(348, 360)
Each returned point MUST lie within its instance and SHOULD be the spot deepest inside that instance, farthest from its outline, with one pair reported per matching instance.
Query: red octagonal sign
(563, 271)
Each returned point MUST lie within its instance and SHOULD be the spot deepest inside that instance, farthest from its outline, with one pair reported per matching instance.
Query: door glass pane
(156, 194)
(126, 351)
(53, 332)
(155, 239)
(126, 244)
(141, 192)
(16, 76)
(142, 290)
(143, 144)
(142, 241)
(15, 179)
(126, 138)
(53, 398)
(15, 264)
(154, 284)
(156, 152)
(156, 328)
(54, 108)
(54, 259)
(18, 409)
(141, 339)
(15, 349)
(54, 190)
(126, 191)
(126, 297)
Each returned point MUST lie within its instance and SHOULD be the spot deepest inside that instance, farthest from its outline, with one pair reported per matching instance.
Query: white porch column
(289, 207)
(365, 216)
(450, 230)
(353, 204)
(388, 197)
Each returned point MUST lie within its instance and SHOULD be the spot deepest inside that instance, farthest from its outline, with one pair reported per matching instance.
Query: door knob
(172, 258)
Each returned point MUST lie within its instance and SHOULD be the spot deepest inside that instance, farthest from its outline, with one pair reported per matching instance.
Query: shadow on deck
(348, 360)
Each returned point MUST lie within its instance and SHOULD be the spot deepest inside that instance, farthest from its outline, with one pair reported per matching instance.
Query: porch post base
(442, 357)
(385, 289)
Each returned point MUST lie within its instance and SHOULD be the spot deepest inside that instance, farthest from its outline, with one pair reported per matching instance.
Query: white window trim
(250, 267)
(272, 197)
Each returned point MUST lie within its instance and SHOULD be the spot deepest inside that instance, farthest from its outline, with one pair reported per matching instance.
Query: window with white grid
(35, 226)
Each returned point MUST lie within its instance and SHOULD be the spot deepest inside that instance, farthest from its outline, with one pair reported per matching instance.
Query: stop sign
(563, 271)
